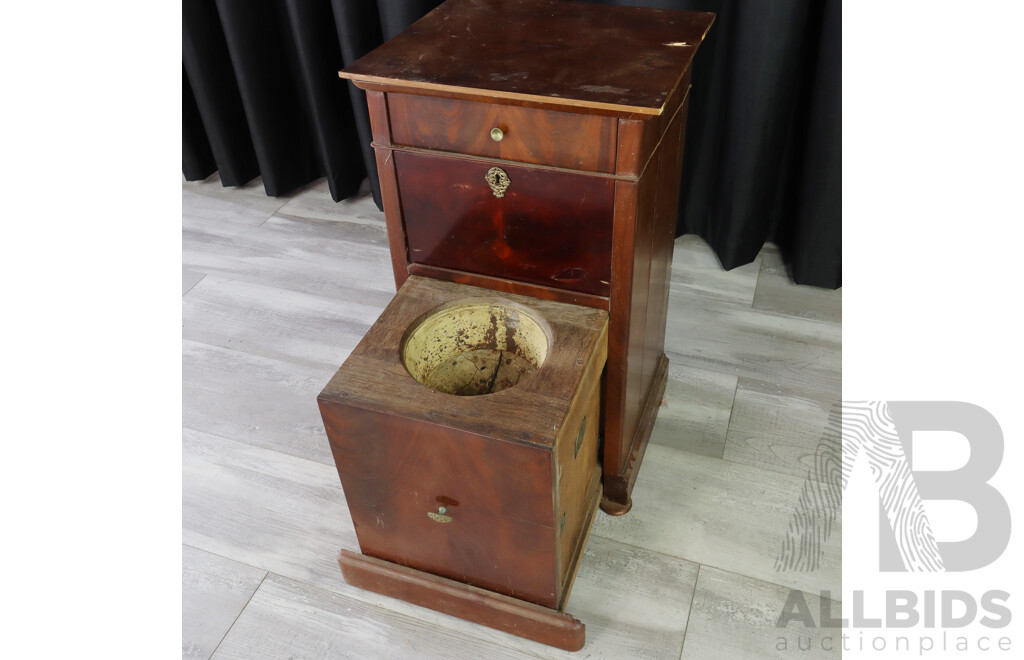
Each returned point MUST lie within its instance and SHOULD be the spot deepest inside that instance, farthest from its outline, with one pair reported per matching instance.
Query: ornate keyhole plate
(498, 180)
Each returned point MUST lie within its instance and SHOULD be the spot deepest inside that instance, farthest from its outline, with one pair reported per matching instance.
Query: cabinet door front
(527, 224)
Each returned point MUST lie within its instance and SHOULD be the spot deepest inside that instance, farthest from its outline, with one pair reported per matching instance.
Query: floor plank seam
(776, 471)
(689, 613)
(645, 549)
(769, 468)
(369, 601)
(240, 612)
(692, 297)
(732, 411)
(327, 367)
(189, 290)
(772, 584)
(263, 448)
(757, 281)
(374, 596)
(693, 561)
(271, 215)
(217, 554)
(689, 296)
(793, 390)
(233, 276)
(806, 342)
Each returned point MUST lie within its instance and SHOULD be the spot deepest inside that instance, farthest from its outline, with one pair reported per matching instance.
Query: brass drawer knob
(497, 134)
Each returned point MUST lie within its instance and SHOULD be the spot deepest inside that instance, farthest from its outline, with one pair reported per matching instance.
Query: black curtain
(261, 97)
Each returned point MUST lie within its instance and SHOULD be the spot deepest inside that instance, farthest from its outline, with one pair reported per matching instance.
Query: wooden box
(464, 428)
(535, 147)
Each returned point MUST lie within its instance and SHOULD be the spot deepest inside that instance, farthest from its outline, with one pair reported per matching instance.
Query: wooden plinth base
(618, 488)
(511, 615)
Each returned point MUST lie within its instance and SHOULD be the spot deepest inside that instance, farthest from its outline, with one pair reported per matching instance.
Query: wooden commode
(480, 475)
(529, 154)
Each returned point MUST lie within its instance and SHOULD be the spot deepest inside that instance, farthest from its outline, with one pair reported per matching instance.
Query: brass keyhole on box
(441, 515)
(498, 180)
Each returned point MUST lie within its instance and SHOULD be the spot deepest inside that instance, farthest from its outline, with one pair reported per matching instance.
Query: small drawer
(527, 135)
(548, 228)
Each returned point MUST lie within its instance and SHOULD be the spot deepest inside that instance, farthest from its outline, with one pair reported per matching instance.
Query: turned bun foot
(616, 509)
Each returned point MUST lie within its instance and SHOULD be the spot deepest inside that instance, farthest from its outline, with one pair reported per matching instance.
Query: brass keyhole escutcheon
(497, 134)
(441, 515)
(498, 180)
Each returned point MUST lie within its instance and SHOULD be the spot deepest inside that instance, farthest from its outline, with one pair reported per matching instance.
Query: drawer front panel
(528, 135)
(496, 497)
(549, 228)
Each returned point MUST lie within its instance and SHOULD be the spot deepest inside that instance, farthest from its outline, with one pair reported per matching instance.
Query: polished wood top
(552, 53)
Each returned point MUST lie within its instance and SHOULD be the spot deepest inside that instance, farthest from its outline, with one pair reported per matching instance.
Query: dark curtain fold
(763, 148)
(264, 75)
(218, 104)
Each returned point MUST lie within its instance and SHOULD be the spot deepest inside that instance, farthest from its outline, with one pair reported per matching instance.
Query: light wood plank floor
(278, 291)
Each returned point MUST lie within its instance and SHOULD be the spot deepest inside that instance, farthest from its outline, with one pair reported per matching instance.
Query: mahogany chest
(529, 154)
